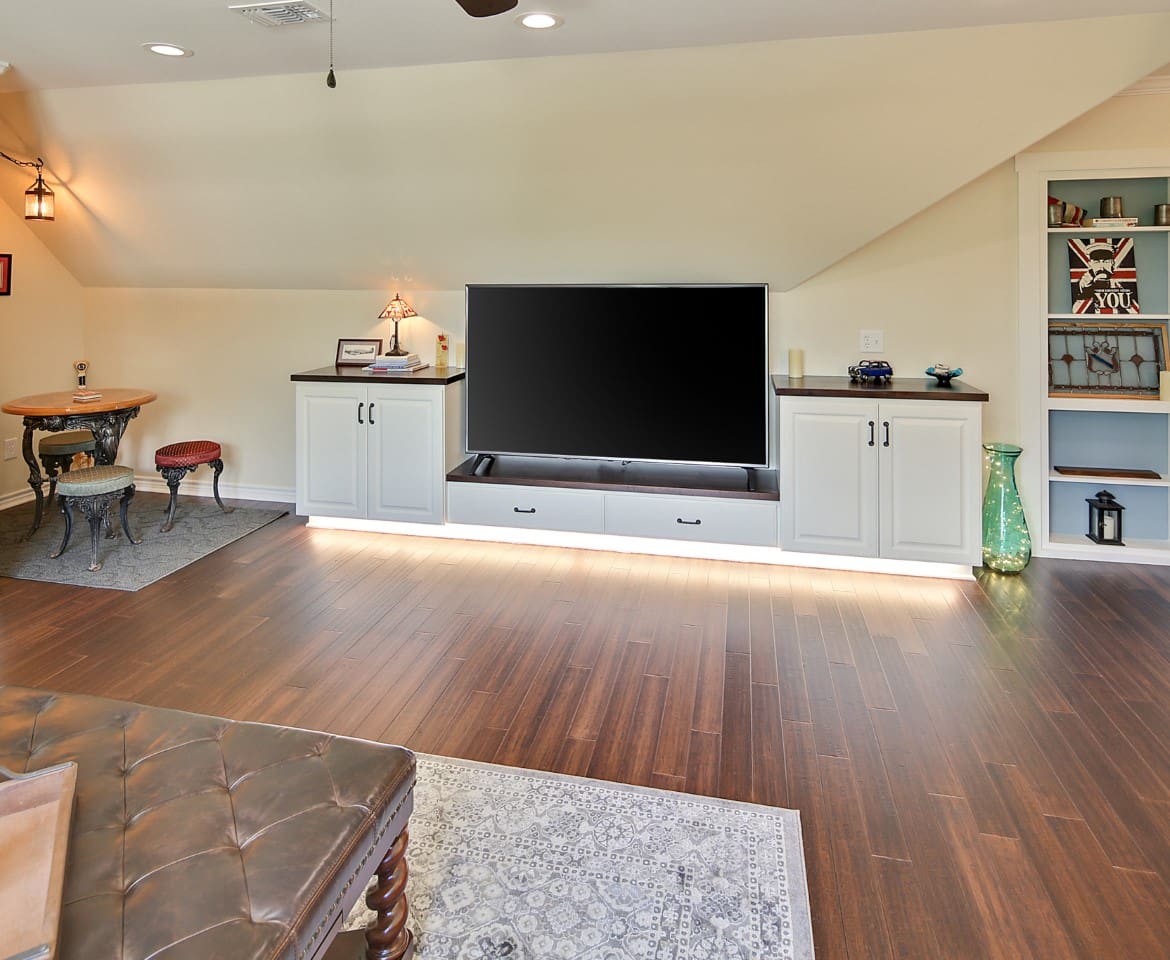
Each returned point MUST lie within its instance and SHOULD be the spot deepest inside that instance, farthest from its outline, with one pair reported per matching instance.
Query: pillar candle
(1164, 385)
(460, 353)
(796, 363)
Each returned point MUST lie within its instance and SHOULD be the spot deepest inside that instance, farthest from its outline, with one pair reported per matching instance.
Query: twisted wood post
(387, 937)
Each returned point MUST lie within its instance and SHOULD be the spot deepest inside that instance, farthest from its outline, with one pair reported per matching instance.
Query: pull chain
(330, 79)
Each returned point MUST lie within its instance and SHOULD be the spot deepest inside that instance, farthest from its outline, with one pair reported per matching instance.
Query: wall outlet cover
(872, 341)
(10, 448)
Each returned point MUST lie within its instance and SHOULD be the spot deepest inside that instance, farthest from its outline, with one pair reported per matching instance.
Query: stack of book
(1110, 222)
(81, 395)
(407, 363)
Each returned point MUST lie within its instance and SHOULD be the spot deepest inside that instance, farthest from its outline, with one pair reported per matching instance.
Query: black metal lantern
(1105, 519)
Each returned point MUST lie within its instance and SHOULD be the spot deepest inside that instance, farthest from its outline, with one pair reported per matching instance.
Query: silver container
(1162, 215)
(1055, 214)
(1111, 207)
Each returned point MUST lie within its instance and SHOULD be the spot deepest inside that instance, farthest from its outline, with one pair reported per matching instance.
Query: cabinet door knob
(689, 523)
(871, 426)
(360, 405)
(529, 510)
(886, 428)
(371, 414)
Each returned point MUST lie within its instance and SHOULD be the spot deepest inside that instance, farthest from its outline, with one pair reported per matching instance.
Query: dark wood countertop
(899, 388)
(636, 477)
(358, 375)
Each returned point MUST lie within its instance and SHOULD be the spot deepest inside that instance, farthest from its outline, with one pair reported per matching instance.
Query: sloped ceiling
(766, 161)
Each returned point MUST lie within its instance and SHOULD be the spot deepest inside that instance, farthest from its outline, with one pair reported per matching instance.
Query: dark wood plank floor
(982, 769)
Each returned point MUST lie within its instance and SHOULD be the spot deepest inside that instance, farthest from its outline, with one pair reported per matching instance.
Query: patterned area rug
(509, 864)
(200, 528)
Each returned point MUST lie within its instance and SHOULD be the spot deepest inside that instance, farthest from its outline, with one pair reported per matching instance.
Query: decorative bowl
(943, 374)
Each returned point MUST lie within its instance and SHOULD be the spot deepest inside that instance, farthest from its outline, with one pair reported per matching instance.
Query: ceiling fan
(486, 8)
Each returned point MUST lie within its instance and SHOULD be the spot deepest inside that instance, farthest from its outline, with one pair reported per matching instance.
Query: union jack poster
(1103, 274)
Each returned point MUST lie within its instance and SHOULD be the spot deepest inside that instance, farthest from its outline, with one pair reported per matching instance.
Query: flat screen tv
(667, 373)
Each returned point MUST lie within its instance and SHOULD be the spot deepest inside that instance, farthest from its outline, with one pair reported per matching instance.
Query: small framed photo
(5, 274)
(357, 353)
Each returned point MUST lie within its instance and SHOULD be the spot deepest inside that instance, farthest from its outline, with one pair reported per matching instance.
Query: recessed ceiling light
(168, 50)
(539, 21)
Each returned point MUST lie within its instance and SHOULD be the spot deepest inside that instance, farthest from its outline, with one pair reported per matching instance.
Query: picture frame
(355, 352)
(1106, 358)
(5, 274)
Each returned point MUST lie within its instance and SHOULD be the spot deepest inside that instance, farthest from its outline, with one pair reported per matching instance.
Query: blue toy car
(871, 371)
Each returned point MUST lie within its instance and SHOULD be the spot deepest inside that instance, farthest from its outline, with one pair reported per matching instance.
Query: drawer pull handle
(370, 414)
(871, 425)
(529, 510)
(689, 523)
(886, 427)
(360, 420)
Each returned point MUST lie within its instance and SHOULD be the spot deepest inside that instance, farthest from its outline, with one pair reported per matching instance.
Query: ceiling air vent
(281, 14)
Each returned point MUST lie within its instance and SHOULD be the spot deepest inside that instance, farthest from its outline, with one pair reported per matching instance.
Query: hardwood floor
(982, 769)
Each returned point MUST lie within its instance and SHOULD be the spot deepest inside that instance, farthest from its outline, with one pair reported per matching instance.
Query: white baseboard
(190, 486)
(667, 548)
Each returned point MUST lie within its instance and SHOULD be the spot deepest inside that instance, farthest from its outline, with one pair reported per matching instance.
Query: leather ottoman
(197, 838)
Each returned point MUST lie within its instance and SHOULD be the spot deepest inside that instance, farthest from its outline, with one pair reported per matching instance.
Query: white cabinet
(881, 478)
(379, 452)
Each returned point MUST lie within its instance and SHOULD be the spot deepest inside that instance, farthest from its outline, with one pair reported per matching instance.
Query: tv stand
(663, 501)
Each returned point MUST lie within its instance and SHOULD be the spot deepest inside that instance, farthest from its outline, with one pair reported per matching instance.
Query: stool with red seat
(176, 460)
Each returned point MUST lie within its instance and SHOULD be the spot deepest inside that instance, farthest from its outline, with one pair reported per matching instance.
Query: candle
(1164, 385)
(796, 364)
(460, 353)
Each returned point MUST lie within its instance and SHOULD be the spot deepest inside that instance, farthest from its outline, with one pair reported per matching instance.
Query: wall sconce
(397, 309)
(38, 199)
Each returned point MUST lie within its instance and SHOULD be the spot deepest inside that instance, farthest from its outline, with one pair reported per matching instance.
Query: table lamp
(397, 309)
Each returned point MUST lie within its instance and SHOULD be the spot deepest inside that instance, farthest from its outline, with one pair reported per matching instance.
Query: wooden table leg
(387, 937)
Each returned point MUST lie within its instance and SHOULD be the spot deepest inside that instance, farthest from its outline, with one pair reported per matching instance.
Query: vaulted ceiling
(755, 161)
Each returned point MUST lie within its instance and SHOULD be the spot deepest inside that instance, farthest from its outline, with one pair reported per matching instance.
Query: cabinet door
(930, 477)
(331, 450)
(406, 453)
(828, 476)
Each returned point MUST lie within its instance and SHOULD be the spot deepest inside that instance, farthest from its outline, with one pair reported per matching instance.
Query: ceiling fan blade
(486, 8)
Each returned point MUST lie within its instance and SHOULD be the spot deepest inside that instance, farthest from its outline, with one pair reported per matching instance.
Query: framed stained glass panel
(1113, 358)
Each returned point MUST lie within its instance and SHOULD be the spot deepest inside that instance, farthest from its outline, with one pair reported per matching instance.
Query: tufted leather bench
(196, 838)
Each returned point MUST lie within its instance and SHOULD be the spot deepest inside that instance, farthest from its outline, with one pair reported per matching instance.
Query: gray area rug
(200, 528)
(519, 864)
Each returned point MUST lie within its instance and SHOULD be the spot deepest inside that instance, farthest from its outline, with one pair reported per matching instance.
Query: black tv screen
(674, 373)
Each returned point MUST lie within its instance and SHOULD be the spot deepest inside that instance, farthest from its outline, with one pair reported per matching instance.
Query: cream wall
(40, 331)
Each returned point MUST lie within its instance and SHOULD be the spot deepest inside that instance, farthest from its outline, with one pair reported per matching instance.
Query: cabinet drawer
(747, 522)
(541, 508)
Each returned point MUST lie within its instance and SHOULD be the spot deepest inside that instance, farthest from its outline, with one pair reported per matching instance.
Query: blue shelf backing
(1138, 194)
(1150, 257)
(1092, 438)
(1146, 515)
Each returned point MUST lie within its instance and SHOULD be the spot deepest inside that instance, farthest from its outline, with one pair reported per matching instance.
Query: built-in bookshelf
(1084, 406)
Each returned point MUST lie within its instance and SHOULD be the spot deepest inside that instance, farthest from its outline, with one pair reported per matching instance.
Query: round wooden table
(106, 418)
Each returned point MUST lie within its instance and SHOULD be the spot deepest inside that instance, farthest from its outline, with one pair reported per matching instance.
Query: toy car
(867, 371)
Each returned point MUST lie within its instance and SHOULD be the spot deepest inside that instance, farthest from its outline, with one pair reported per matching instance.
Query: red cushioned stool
(176, 460)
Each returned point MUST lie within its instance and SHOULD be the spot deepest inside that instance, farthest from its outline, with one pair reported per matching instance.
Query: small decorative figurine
(81, 366)
(944, 374)
(871, 371)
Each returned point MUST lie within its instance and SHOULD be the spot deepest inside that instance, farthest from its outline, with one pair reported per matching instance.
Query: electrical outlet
(10, 448)
(872, 341)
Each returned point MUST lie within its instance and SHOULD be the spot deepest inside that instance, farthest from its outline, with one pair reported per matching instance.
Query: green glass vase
(1007, 547)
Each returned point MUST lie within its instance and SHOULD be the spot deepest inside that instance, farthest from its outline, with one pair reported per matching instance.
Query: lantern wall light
(38, 199)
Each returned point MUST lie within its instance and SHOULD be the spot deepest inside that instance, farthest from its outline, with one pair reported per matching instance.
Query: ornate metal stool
(176, 460)
(56, 451)
(94, 489)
